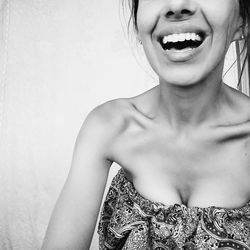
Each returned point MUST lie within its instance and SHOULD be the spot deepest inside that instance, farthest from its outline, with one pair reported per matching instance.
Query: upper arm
(74, 217)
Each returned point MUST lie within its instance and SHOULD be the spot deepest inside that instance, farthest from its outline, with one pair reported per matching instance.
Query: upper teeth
(181, 37)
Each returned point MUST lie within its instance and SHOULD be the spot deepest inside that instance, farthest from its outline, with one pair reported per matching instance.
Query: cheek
(147, 17)
(143, 22)
(224, 21)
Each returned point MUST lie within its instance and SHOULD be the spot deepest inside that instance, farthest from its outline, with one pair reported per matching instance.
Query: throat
(190, 105)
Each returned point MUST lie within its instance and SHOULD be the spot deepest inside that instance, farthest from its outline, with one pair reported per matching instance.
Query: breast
(203, 169)
(130, 221)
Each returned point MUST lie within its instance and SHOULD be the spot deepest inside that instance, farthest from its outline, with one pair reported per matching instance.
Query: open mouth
(182, 41)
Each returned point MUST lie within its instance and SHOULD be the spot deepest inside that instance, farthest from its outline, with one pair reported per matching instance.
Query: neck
(190, 106)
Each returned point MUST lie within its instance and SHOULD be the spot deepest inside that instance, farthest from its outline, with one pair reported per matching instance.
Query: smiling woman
(221, 26)
(244, 12)
(183, 146)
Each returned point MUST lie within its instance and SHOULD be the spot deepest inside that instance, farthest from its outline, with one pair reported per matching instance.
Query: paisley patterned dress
(131, 222)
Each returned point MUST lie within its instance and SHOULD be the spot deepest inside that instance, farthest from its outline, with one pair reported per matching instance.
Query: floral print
(131, 222)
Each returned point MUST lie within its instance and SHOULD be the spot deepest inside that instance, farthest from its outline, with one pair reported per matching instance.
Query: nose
(180, 9)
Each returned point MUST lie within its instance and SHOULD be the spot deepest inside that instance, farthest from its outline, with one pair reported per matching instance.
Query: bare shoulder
(110, 114)
(244, 108)
(104, 123)
(235, 119)
(239, 106)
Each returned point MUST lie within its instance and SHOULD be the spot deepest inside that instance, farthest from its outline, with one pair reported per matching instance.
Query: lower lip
(182, 55)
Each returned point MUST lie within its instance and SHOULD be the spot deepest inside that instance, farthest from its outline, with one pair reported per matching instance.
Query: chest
(185, 167)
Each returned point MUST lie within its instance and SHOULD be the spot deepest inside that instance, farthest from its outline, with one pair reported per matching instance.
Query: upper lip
(181, 28)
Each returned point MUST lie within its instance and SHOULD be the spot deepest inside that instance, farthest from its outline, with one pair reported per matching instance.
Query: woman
(183, 146)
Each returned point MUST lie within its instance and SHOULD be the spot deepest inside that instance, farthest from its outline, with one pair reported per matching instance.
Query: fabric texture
(131, 222)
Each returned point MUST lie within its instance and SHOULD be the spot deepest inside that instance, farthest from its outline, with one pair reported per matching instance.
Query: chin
(180, 78)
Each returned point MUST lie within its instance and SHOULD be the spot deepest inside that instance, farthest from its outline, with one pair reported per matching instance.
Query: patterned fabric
(131, 222)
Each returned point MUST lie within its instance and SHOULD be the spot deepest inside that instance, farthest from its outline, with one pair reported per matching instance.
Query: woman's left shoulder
(240, 105)
(244, 106)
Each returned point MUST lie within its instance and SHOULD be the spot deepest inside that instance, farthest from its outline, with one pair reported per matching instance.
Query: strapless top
(129, 221)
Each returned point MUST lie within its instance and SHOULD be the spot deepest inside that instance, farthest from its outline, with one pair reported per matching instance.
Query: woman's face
(186, 41)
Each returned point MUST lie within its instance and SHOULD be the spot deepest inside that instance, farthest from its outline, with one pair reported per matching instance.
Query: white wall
(59, 59)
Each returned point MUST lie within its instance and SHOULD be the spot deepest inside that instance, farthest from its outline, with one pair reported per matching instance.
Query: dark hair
(134, 9)
(244, 12)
